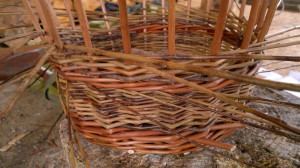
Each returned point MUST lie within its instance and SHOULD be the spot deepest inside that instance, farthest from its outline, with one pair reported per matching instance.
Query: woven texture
(119, 103)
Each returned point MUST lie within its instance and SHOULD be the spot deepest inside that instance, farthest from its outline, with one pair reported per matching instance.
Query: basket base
(104, 156)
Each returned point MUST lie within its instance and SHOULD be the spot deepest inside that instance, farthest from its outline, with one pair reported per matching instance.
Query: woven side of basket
(119, 103)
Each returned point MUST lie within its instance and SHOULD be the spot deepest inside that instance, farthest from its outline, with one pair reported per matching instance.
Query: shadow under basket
(110, 100)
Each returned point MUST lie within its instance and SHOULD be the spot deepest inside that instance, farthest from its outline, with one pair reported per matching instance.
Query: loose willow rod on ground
(26, 81)
(206, 71)
(167, 129)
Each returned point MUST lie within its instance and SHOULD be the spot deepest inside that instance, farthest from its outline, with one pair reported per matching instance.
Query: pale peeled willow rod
(251, 23)
(202, 70)
(275, 40)
(188, 12)
(106, 20)
(51, 21)
(208, 6)
(33, 19)
(52, 13)
(258, 13)
(171, 27)
(268, 20)
(261, 48)
(145, 13)
(242, 10)
(69, 13)
(26, 81)
(217, 40)
(41, 15)
(124, 26)
(84, 25)
(145, 19)
(163, 10)
(282, 31)
(262, 14)
(103, 7)
(189, 4)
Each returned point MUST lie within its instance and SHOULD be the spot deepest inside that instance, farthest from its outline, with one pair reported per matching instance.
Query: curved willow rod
(206, 71)
(169, 130)
(213, 72)
(275, 120)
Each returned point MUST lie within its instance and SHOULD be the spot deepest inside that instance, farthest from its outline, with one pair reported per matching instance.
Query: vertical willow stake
(268, 20)
(33, 18)
(171, 27)
(216, 44)
(50, 18)
(124, 26)
(251, 23)
(69, 13)
(242, 10)
(84, 25)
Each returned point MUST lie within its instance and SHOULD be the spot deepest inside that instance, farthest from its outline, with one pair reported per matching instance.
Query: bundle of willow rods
(163, 79)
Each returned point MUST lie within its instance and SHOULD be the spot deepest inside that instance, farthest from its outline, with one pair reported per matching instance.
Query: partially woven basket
(125, 100)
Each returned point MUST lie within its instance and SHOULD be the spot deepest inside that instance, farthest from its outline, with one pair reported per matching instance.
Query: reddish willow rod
(169, 130)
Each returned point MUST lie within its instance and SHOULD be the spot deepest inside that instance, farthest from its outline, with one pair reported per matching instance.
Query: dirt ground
(33, 113)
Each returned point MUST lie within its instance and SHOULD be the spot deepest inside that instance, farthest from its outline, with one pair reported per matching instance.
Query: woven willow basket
(128, 83)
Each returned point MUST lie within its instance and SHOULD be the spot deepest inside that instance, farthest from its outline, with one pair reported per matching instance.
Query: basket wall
(85, 79)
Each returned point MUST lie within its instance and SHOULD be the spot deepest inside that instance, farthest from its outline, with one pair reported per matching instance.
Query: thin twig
(276, 69)
(39, 76)
(26, 81)
(282, 31)
(53, 125)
